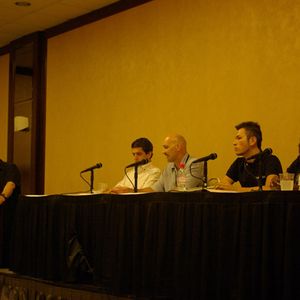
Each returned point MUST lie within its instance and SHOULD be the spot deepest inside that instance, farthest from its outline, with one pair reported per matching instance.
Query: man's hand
(274, 182)
(121, 190)
(2, 199)
(226, 187)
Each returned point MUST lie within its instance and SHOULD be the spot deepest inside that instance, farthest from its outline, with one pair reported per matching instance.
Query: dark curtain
(181, 246)
(7, 215)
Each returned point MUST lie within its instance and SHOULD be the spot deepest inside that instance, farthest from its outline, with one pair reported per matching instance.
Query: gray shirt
(167, 180)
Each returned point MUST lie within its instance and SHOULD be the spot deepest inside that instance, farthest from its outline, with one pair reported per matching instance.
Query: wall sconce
(21, 123)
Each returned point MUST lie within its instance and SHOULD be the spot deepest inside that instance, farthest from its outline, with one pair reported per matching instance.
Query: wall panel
(4, 77)
(171, 66)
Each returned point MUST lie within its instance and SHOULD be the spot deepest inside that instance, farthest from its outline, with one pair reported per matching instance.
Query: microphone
(211, 156)
(96, 166)
(267, 151)
(139, 163)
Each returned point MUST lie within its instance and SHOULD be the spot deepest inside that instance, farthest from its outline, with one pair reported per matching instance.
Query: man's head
(248, 139)
(174, 148)
(142, 148)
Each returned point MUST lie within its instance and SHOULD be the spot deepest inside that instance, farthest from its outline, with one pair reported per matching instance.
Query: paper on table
(222, 191)
(43, 195)
(132, 193)
(194, 189)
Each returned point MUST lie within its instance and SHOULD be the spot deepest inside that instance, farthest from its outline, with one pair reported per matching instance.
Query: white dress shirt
(147, 176)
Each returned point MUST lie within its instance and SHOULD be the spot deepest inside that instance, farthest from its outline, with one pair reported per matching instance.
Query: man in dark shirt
(10, 181)
(250, 163)
(295, 165)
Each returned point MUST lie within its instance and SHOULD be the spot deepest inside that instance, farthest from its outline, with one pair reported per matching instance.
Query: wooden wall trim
(91, 17)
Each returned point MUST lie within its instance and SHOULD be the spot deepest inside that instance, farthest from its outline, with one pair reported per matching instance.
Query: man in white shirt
(142, 149)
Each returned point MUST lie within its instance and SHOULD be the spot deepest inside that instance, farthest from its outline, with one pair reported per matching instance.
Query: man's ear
(149, 155)
(253, 140)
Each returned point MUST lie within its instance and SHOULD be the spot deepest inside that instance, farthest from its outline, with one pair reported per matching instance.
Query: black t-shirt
(247, 173)
(9, 172)
(295, 166)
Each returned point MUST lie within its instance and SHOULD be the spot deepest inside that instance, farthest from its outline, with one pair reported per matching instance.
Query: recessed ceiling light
(22, 3)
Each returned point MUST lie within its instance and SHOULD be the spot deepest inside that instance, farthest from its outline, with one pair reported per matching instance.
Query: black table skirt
(197, 245)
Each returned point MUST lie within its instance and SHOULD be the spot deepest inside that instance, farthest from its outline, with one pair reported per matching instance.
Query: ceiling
(17, 21)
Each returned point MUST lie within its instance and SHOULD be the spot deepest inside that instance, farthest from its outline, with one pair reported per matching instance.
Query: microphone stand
(135, 178)
(260, 184)
(92, 181)
(205, 174)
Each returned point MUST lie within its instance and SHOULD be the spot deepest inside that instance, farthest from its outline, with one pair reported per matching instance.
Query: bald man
(175, 150)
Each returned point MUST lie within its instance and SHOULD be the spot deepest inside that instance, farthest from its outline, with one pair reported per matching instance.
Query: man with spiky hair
(246, 168)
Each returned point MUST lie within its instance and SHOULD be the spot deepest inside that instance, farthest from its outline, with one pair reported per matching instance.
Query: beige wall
(194, 67)
(4, 77)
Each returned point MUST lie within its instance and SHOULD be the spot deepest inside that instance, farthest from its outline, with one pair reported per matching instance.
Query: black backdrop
(197, 245)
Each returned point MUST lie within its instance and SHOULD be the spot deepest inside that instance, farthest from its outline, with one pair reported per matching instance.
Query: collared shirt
(167, 180)
(147, 176)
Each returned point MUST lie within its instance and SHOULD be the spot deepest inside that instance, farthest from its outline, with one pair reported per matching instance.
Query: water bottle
(181, 178)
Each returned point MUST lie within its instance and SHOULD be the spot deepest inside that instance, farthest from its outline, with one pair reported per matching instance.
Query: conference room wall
(193, 67)
(4, 73)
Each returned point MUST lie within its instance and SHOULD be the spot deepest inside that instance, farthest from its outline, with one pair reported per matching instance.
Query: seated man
(295, 165)
(148, 174)
(175, 150)
(10, 182)
(245, 169)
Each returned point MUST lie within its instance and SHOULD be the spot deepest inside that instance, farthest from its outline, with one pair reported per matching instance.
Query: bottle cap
(181, 165)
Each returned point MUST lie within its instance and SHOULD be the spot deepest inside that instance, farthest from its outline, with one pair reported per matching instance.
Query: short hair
(252, 129)
(143, 143)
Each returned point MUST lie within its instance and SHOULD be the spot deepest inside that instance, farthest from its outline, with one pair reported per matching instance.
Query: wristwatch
(3, 195)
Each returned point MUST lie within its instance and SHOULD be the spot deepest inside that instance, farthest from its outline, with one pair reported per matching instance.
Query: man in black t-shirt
(251, 161)
(10, 181)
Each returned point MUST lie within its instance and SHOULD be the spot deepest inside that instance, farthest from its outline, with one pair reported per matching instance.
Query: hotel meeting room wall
(4, 72)
(193, 67)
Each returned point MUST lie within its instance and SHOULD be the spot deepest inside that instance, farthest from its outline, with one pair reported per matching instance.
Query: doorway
(26, 111)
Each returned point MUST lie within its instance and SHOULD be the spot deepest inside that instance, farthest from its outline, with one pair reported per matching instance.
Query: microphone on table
(267, 151)
(139, 163)
(211, 156)
(96, 166)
